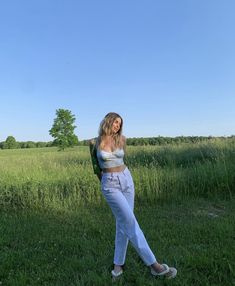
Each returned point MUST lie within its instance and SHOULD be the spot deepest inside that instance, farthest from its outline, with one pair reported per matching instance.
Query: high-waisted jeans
(118, 190)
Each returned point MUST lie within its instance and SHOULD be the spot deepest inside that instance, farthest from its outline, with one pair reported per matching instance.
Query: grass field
(55, 228)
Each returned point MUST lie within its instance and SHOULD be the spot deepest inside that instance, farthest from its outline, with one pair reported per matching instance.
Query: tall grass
(203, 169)
(48, 178)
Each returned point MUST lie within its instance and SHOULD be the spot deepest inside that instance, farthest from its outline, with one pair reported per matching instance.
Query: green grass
(76, 247)
(56, 229)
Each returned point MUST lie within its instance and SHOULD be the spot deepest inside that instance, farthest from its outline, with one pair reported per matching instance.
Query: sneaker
(168, 272)
(116, 274)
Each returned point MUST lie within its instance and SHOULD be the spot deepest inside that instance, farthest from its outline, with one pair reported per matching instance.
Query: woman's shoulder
(92, 141)
(123, 142)
(93, 144)
(123, 138)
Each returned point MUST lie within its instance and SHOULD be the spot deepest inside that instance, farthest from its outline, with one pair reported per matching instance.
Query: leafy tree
(10, 143)
(63, 129)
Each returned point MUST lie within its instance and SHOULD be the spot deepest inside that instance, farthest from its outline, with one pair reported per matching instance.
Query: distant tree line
(160, 140)
(11, 142)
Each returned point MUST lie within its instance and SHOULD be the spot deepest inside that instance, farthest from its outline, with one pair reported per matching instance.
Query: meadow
(56, 229)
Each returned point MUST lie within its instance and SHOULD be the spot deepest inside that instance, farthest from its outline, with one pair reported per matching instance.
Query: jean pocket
(110, 182)
(130, 181)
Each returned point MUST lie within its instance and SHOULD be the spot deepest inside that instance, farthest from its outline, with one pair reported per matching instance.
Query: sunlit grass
(46, 177)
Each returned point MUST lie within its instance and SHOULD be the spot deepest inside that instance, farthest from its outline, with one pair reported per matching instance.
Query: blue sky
(168, 67)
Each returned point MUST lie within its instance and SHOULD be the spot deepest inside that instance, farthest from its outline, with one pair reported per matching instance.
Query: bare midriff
(114, 169)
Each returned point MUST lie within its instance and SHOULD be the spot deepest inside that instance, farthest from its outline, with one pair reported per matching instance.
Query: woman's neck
(108, 143)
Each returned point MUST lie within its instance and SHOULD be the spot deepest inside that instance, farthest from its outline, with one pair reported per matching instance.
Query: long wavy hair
(105, 129)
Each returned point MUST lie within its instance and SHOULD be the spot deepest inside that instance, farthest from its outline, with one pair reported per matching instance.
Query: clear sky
(167, 66)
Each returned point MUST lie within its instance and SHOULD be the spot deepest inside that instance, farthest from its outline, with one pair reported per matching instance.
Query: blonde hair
(105, 129)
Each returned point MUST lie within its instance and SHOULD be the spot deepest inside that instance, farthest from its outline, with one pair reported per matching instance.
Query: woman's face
(116, 125)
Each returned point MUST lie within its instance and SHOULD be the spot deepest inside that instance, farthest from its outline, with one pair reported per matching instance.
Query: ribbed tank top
(110, 159)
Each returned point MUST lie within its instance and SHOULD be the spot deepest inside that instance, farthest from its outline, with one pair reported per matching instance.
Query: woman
(118, 189)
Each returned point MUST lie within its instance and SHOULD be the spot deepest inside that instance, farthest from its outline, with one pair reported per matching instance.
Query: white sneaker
(172, 273)
(116, 274)
(168, 272)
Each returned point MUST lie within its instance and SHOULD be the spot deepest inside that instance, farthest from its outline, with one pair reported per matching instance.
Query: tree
(63, 129)
(10, 143)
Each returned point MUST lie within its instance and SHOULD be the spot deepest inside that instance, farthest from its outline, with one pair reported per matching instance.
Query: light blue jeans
(118, 190)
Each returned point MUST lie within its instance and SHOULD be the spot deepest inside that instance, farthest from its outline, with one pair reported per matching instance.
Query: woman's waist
(116, 169)
(110, 163)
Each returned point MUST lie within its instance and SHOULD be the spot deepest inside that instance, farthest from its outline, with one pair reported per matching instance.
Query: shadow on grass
(65, 247)
(48, 247)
